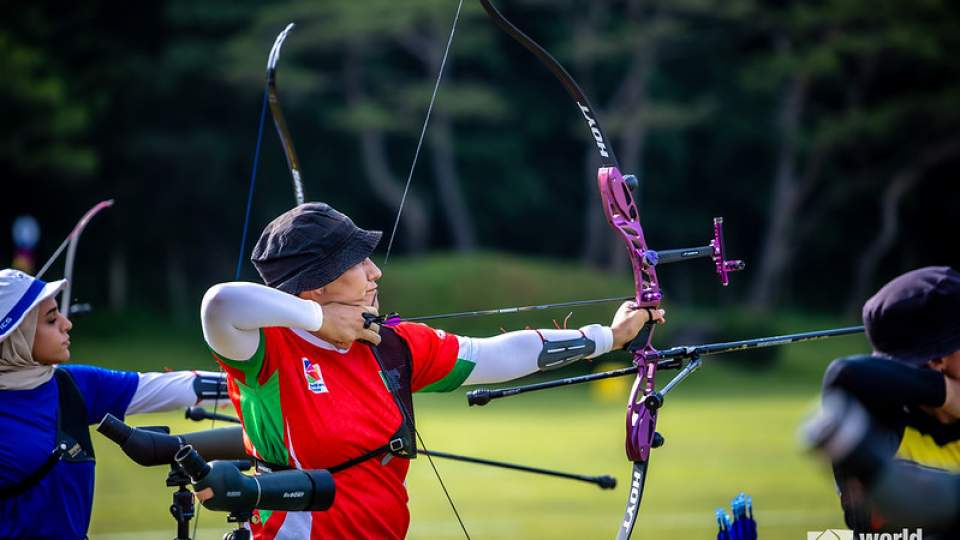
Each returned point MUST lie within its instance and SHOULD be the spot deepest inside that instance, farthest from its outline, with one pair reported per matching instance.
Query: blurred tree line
(826, 132)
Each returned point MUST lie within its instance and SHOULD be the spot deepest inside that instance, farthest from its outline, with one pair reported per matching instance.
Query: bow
(278, 121)
(271, 97)
(72, 239)
(620, 209)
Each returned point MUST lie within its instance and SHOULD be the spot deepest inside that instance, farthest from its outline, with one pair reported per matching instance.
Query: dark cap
(309, 246)
(916, 317)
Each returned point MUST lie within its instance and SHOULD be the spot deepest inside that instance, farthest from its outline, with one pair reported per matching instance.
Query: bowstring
(423, 131)
(253, 181)
(243, 247)
(442, 485)
(50, 261)
(396, 226)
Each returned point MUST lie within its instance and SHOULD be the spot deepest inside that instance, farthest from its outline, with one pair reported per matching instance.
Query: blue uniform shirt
(59, 505)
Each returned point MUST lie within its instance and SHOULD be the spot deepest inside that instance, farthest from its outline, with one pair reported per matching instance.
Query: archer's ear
(938, 364)
(312, 294)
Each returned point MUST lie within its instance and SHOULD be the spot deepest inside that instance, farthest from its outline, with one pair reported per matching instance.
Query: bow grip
(639, 343)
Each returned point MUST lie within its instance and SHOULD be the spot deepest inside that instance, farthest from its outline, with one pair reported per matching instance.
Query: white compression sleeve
(516, 354)
(232, 315)
(165, 391)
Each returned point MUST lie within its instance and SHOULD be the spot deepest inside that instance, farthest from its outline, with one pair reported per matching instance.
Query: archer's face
(356, 286)
(51, 344)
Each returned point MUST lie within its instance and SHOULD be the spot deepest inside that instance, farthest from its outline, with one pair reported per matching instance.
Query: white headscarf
(18, 369)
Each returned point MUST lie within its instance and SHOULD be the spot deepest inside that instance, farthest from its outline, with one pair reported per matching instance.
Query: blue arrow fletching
(723, 524)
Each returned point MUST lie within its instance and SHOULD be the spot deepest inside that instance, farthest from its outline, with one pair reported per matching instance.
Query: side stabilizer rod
(604, 481)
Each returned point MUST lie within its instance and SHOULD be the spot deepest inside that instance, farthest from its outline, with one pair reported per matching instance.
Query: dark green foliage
(156, 105)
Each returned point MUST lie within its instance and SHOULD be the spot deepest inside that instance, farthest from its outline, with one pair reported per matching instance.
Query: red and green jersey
(309, 406)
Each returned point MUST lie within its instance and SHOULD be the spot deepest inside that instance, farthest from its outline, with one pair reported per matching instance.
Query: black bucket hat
(309, 246)
(916, 317)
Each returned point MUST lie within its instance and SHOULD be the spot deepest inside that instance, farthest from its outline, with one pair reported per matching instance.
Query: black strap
(33, 478)
(402, 443)
(391, 448)
(376, 452)
(73, 436)
(396, 367)
(393, 358)
(73, 432)
(265, 467)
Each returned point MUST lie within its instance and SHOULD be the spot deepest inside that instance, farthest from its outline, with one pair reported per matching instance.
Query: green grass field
(728, 428)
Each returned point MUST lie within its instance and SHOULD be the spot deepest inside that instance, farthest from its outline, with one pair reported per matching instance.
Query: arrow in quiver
(742, 526)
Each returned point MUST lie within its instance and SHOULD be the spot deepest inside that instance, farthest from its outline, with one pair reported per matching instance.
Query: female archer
(346, 406)
(46, 482)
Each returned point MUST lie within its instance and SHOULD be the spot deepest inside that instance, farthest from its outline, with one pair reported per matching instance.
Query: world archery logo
(830, 534)
(314, 377)
(842, 534)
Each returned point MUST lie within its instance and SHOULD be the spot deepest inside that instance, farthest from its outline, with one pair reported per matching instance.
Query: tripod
(182, 508)
(241, 532)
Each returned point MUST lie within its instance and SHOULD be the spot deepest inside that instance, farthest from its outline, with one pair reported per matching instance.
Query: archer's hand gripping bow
(616, 193)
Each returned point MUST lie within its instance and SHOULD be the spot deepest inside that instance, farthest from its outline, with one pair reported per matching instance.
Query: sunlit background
(826, 134)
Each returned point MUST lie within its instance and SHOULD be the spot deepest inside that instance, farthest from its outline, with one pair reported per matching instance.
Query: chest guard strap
(396, 369)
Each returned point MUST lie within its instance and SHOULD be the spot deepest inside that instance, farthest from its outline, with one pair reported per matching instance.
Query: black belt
(396, 447)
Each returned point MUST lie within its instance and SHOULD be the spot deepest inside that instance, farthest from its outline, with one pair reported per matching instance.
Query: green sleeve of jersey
(260, 406)
(251, 367)
(461, 370)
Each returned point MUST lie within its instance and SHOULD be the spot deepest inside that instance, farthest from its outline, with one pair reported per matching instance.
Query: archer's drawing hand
(629, 320)
(343, 324)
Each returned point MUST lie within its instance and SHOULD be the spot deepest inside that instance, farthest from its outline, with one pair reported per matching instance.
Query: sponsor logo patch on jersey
(314, 377)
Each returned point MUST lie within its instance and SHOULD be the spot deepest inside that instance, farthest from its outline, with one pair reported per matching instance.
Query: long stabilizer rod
(671, 358)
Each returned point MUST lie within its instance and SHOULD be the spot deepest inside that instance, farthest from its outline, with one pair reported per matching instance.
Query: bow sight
(714, 250)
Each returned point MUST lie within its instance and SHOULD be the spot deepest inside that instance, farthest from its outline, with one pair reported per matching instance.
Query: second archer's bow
(71, 240)
(272, 100)
(271, 97)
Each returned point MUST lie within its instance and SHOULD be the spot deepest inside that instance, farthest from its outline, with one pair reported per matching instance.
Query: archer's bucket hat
(309, 246)
(19, 293)
(916, 317)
